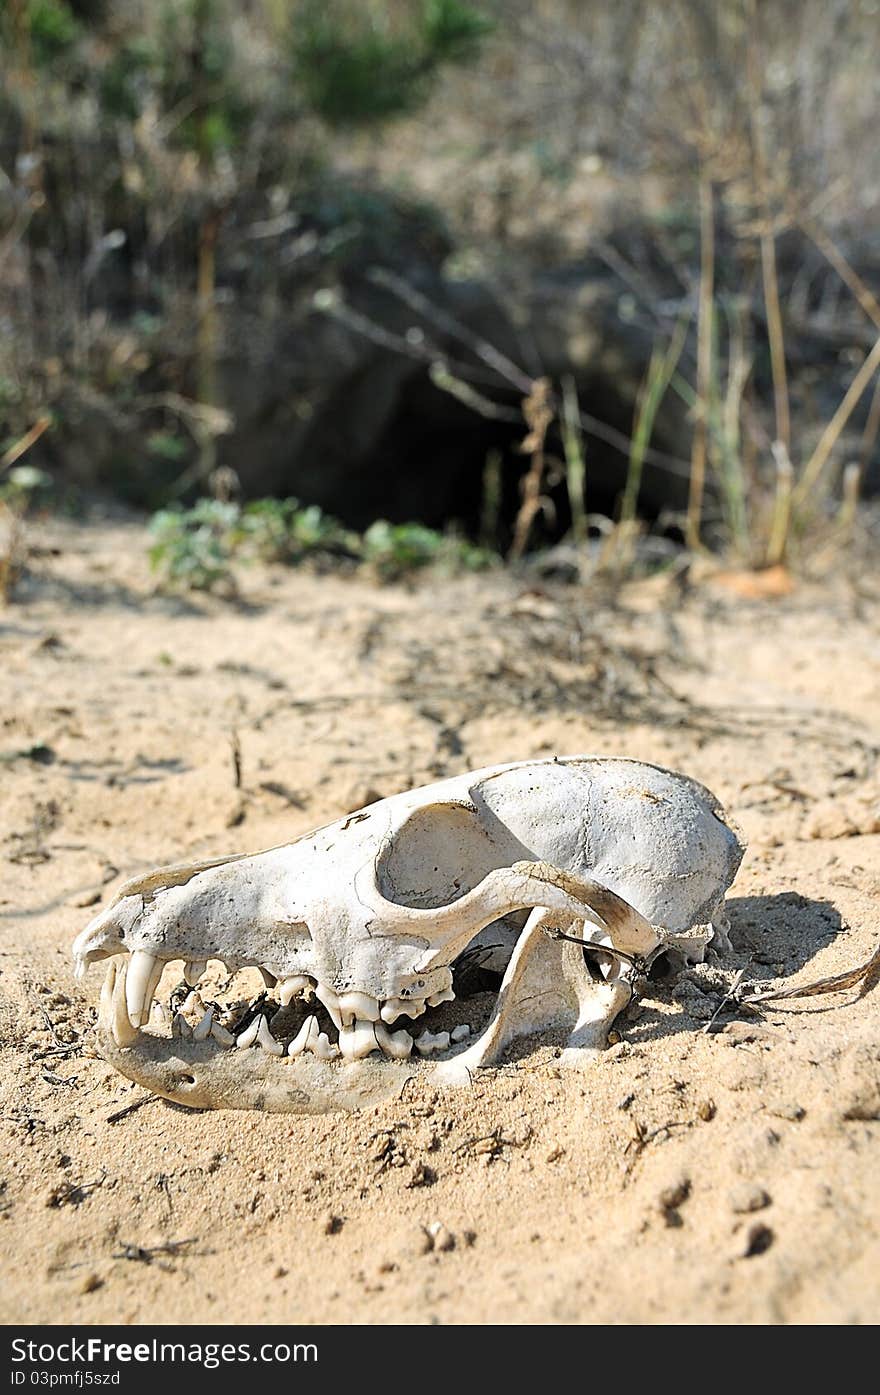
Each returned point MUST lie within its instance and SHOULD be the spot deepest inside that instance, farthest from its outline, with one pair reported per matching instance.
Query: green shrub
(196, 548)
(397, 548)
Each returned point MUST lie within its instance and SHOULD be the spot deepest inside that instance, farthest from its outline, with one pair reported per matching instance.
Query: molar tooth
(445, 995)
(304, 1036)
(331, 1003)
(402, 1007)
(460, 1033)
(249, 1035)
(289, 988)
(193, 970)
(397, 1044)
(357, 1040)
(428, 1044)
(203, 1029)
(220, 1034)
(358, 1005)
(180, 1028)
(193, 1003)
(144, 972)
(266, 1039)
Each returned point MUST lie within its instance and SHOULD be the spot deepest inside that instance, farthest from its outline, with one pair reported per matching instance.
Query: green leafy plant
(394, 549)
(278, 530)
(194, 548)
(352, 69)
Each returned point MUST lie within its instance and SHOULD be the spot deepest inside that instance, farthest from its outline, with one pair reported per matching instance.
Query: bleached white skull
(371, 919)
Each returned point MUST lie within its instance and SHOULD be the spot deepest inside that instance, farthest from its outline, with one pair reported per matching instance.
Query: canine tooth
(193, 970)
(331, 1003)
(249, 1035)
(460, 1033)
(203, 1029)
(397, 1044)
(428, 1044)
(143, 974)
(307, 1031)
(266, 1039)
(113, 1006)
(220, 1034)
(361, 1006)
(323, 1047)
(357, 1040)
(289, 988)
(445, 995)
(402, 1007)
(180, 1028)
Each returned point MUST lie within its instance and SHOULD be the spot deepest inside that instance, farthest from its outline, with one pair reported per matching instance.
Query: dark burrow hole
(437, 461)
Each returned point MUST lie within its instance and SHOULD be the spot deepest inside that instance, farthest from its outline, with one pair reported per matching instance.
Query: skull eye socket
(439, 853)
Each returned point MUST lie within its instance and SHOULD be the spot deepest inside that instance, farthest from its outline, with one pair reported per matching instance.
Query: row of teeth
(361, 1020)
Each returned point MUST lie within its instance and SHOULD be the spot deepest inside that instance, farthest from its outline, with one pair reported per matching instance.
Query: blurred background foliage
(336, 247)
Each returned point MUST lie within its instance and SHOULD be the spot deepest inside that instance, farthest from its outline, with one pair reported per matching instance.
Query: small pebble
(707, 1109)
(787, 1109)
(674, 1194)
(332, 1224)
(748, 1196)
(87, 898)
(442, 1238)
(90, 1283)
(422, 1176)
(758, 1239)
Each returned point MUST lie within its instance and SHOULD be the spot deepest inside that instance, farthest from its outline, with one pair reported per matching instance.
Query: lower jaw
(202, 1075)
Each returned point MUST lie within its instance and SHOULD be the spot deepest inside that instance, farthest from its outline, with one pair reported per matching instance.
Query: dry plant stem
(827, 441)
(867, 300)
(781, 522)
(207, 327)
(872, 426)
(849, 504)
(24, 443)
(11, 550)
(538, 414)
(768, 238)
(657, 379)
(704, 360)
(752, 994)
(575, 465)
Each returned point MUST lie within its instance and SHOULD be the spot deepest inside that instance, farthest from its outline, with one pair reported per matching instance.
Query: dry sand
(724, 1178)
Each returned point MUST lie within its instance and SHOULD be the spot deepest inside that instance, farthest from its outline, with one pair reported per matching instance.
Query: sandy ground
(688, 1177)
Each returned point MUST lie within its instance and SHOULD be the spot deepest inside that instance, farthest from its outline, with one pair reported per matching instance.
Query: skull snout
(105, 935)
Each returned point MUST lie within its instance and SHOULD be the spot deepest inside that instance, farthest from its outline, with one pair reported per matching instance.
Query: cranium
(367, 921)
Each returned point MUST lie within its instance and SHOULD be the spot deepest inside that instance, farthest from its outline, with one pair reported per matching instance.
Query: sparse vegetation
(174, 177)
(198, 548)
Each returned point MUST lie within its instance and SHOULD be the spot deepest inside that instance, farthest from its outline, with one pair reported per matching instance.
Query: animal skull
(368, 919)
